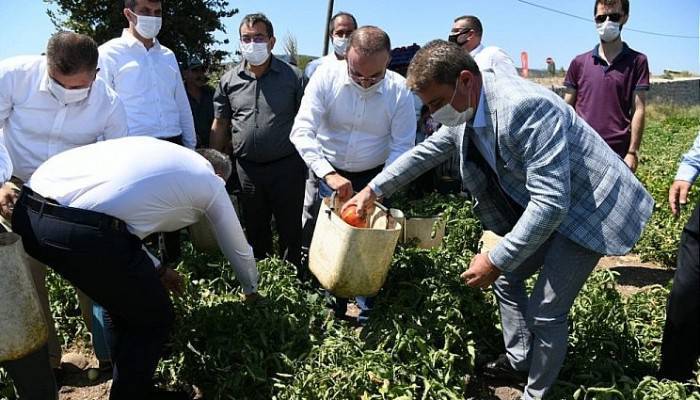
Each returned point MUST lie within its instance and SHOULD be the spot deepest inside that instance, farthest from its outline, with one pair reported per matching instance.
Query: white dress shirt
(484, 140)
(150, 86)
(314, 64)
(37, 126)
(5, 163)
(492, 57)
(337, 126)
(153, 186)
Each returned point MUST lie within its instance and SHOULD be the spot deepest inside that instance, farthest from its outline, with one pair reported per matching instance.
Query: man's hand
(340, 185)
(481, 272)
(631, 161)
(364, 201)
(8, 197)
(173, 281)
(678, 195)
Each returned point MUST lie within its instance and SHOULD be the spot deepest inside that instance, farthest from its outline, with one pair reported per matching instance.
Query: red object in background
(351, 217)
(525, 70)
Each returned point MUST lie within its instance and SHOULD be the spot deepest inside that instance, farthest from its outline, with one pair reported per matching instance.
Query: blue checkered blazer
(549, 161)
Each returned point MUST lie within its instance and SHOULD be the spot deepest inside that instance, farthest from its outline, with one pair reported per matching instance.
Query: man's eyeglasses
(361, 79)
(255, 39)
(614, 17)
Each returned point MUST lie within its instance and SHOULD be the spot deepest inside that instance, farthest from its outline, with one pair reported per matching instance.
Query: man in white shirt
(147, 78)
(85, 215)
(467, 32)
(342, 25)
(356, 117)
(48, 105)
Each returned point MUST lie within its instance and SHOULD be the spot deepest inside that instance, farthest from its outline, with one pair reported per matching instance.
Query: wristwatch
(634, 153)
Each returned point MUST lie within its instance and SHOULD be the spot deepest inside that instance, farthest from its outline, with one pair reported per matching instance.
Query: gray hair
(220, 161)
(438, 62)
(369, 40)
(70, 53)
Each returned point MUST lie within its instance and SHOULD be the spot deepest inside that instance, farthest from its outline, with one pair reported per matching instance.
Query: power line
(591, 20)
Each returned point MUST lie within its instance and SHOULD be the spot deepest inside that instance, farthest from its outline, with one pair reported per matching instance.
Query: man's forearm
(637, 129)
(219, 134)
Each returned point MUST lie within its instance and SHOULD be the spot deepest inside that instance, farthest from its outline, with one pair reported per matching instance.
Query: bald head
(370, 40)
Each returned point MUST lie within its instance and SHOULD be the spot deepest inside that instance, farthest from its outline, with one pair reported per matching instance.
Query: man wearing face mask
(201, 98)
(467, 32)
(355, 118)
(49, 105)
(254, 106)
(146, 76)
(542, 178)
(607, 85)
(340, 28)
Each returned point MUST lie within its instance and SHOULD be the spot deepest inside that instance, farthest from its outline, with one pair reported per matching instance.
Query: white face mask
(608, 30)
(449, 116)
(148, 27)
(255, 53)
(340, 45)
(67, 96)
(365, 91)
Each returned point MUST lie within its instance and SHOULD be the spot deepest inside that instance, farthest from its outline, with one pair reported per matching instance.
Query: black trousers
(273, 189)
(97, 255)
(32, 376)
(681, 344)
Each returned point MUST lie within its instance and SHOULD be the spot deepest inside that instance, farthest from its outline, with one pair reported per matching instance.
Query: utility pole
(328, 21)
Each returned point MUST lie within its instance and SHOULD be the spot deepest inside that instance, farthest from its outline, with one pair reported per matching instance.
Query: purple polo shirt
(605, 93)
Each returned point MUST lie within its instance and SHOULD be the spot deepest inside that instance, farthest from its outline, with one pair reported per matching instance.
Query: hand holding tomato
(350, 215)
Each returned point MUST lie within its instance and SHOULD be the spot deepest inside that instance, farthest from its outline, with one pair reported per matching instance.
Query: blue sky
(509, 24)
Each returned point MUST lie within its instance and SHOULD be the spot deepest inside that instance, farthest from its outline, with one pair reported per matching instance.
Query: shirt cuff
(322, 168)
(375, 189)
(686, 173)
(500, 258)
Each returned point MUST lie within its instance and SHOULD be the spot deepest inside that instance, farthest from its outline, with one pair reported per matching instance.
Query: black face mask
(455, 37)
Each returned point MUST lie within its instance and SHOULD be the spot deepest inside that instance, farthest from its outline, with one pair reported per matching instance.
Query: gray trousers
(535, 329)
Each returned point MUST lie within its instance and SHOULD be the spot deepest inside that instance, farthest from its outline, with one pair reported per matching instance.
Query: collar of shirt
(348, 81)
(480, 115)
(131, 41)
(242, 67)
(595, 53)
(476, 50)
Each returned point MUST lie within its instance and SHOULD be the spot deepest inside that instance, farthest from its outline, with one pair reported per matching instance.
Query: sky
(510, 24)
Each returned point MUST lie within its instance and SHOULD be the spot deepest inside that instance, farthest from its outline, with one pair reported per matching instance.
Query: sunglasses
(614, 17)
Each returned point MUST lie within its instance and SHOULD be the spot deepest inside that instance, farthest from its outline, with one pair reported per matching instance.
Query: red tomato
(351, 217)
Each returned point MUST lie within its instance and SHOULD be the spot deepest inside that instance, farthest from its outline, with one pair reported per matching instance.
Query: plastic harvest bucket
(23, 328)
(349, 261)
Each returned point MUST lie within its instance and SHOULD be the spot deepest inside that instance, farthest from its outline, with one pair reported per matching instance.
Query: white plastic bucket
(23, 329)
(349, 261)
(428, 232)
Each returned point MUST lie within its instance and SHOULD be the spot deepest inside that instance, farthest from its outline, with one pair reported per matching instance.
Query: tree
(291, 48)
(188, 25)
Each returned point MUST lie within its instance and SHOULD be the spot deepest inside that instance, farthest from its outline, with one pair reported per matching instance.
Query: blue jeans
(535, 329)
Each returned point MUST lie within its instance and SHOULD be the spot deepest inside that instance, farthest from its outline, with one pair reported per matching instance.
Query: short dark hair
(473, 23)
(252, 19)
(70, 53)
(625, 5)
(438, 62)
(368, 40)
(331, 23)
(130, 4)
(219, 161)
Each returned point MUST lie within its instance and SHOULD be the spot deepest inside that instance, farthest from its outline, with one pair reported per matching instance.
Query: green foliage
(188, 25)
(669, 133)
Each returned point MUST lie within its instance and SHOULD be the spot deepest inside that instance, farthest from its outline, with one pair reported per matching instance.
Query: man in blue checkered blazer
(542, 178)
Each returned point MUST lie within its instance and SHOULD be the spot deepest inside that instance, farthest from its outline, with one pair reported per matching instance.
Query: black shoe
(160, 394)
(501, 368)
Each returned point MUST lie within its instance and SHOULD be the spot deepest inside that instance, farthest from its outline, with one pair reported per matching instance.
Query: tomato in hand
(351, 217)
